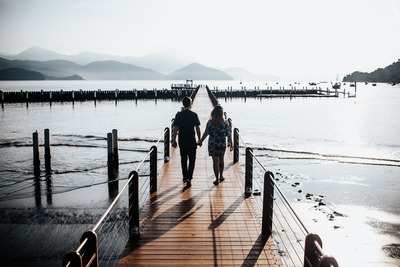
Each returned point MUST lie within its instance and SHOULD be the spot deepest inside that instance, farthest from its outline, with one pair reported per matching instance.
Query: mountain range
(93, 66)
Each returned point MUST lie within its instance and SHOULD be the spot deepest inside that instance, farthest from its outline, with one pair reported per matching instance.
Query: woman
(218, 129)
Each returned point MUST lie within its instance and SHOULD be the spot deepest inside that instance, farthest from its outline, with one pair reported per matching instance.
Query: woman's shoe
(221, 179)
(216, 182)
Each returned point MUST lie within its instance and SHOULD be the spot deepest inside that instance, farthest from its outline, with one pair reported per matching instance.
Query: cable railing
(296, 245)
(102, 245)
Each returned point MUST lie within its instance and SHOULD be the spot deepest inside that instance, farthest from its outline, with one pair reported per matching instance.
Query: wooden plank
(204, 225)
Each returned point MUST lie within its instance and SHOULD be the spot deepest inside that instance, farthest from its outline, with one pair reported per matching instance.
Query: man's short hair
(186, 101)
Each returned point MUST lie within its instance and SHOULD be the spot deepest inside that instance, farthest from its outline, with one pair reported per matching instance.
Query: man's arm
(174, 133)
(198, 133)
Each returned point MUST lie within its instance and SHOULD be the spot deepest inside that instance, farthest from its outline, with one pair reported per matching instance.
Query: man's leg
(192, 162)
(184, 157)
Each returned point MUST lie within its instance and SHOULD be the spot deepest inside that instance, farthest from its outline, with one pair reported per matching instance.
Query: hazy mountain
(36, 53)
(165, 62)
(20, 74)
(114, 70)
(57, 68)
(196, 71)
(162, 62)
(99, 70)
(241, 74)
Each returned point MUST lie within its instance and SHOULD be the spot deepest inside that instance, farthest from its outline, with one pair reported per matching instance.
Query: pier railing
(107, 239)
(296, 245)
(102, 245)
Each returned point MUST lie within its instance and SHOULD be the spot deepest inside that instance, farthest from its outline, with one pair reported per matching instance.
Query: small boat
(336, 86)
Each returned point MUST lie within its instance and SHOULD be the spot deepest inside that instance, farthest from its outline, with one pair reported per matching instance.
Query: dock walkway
(204, 225)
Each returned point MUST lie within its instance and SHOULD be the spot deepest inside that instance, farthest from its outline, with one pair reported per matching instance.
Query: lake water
(344, 149)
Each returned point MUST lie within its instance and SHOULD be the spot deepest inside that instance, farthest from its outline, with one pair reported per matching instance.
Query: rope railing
(106, 240)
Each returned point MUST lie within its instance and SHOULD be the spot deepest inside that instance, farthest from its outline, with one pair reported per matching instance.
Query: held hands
(200, 143)
(174, 144)
(230, 146)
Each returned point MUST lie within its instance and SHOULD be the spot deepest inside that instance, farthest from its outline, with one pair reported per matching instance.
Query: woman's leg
(221, 167)
(216, 168)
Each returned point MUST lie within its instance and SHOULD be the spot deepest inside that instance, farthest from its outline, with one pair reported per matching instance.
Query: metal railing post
(72, 259)
(90, 253)
(268, 204)
(134, 205)
(166, 144)
(235, 145)
(248, 185)
(311, 252)
(153, 169)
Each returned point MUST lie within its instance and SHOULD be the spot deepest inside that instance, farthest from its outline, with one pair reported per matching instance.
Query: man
(185, 124)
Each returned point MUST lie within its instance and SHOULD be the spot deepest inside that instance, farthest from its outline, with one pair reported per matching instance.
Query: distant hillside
(165, 62)
(162, 62)
(196, 71)
(114, 70)
(18, 74)
(107, 70)
(63, 69)
(240, 74)
(389, 74)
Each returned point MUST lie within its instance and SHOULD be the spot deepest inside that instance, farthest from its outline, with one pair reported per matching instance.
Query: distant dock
(175, 92)
(81, 95)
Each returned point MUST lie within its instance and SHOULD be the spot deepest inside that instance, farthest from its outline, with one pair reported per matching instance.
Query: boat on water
(337, 85)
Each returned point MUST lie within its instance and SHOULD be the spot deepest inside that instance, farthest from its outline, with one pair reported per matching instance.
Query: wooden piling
(110, 156)
(36, 158)
(47, 155)
(115, 149)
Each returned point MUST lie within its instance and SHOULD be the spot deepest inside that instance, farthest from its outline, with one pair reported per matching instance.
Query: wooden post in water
(115, 149)
(110, 156)
(36, 158)
(47, 155)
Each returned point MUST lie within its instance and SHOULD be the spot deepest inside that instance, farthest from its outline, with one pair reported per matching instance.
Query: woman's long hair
(217, 115)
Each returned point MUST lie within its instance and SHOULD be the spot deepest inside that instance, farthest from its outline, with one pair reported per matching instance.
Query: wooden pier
(203, 225)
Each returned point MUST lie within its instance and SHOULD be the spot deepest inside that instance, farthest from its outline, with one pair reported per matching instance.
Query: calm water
(344, 149)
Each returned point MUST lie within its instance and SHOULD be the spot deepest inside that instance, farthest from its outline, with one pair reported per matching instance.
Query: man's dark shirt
(186, 120)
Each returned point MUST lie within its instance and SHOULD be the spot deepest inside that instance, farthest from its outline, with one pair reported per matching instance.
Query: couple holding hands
(185, 124)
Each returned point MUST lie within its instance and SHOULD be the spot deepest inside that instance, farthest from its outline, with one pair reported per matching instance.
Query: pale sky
(294, 39)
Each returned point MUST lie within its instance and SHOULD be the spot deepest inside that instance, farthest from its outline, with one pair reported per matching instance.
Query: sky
(293, 39)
